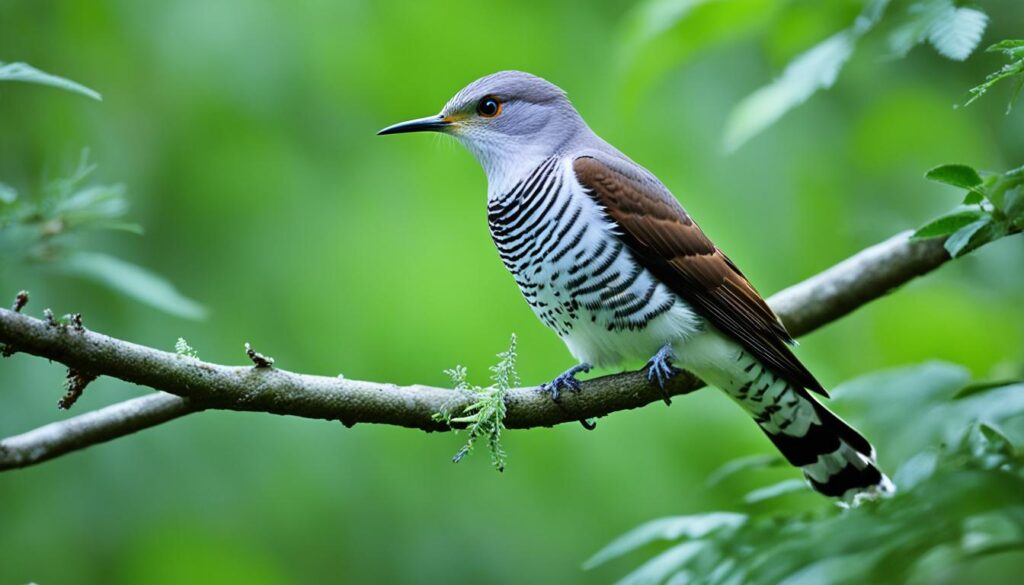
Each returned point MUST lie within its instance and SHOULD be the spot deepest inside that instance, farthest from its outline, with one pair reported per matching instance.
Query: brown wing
(662, 237)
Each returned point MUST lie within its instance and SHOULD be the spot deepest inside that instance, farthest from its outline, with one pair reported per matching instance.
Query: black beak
(428, 124)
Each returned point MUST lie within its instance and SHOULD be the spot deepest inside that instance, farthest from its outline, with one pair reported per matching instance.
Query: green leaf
(28, 74)
(957, 175)
(671, 528)
(954, 32)
(957, 32)
(1012, 47)
(836, 569)
(776, 490)
(132, 281)
(7, 193)
(973, 198)
(917, 469)
(815, 69)
(957, 244)
(922, 16)
(948, 224)
(660, 567)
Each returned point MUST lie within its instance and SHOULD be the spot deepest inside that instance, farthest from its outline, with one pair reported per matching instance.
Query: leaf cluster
(484, 418)
(47, 228)
(1014, 51)
(953, 31)
(958, 500)
(993, 206)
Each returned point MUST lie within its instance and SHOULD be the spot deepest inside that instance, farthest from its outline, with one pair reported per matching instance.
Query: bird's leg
(661, 370)
(565, 381)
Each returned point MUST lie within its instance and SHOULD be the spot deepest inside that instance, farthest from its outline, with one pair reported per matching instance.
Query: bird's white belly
(594, 344)
(580, 279)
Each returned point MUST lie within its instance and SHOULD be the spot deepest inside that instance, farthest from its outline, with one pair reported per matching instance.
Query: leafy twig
(1014, 50)
(992, 208)
(485, 417)
(182, 348)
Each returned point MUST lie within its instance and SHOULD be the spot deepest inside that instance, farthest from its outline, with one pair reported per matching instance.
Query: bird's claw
(565, 381)
(660, 369)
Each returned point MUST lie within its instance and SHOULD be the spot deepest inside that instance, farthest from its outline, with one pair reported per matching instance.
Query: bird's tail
(836, 459)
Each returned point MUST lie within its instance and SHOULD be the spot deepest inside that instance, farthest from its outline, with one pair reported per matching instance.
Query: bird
(608, 259)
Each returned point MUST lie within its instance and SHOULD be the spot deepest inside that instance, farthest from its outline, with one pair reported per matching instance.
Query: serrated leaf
(7, 193)
(671, 528)
(660, 567)
(957, 243)
(948, 224)
(957, 32)
(958, 175)
(26, 73)
(132, 281)
(815, 69)
(776, 490)
(923, 15)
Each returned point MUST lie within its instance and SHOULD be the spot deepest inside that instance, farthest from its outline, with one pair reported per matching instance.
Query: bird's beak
(436, 123)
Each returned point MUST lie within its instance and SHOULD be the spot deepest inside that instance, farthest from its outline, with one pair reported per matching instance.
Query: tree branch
(190, 385)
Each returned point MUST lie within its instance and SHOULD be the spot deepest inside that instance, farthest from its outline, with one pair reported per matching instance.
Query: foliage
(46, 229)
(953, 31)
(1014, 51)
(959, 498)
(810, 71)
(26, 73)
(485, 416)
(281, 211)
(992, 208)
(182, 348)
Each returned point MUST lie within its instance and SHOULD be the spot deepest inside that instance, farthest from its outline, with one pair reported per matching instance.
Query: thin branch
(199, 385)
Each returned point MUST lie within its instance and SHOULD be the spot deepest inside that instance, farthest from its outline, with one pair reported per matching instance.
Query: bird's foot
(661, 370)
(565, 381)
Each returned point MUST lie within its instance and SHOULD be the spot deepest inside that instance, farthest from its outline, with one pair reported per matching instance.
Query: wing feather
(666, 241)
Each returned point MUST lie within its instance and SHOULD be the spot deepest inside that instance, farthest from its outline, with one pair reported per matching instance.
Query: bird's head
(507, 120)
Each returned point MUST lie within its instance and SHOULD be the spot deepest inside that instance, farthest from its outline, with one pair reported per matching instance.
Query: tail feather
(835, 458)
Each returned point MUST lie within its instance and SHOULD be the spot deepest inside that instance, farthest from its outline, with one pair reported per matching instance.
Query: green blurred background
(244, 132)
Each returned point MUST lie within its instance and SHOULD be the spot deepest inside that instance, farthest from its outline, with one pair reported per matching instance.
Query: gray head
(507, 120)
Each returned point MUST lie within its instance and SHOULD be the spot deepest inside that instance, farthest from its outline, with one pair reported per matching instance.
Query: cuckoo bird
(610, 261)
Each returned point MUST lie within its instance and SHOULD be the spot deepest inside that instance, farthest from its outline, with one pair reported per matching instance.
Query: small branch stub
(50, 320)
(261, 361)
(20, 301)
(75, 385)
(76, 322)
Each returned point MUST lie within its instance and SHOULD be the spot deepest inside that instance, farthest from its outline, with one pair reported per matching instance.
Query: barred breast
(577, 275)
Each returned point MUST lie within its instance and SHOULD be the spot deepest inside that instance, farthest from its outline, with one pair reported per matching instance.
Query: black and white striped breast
(563, 252)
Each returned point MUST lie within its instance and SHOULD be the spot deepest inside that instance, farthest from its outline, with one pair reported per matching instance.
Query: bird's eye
(489, 107)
